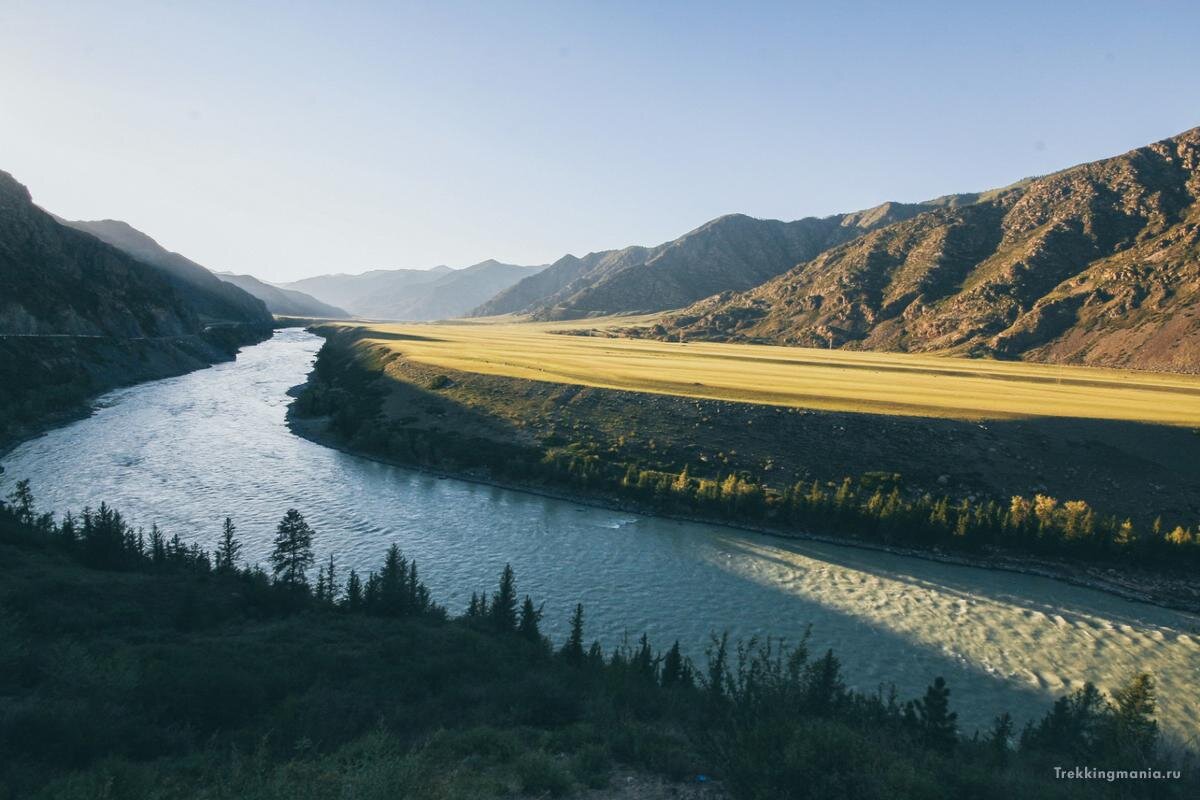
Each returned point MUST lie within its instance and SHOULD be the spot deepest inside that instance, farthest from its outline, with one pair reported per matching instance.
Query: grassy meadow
(828, 380)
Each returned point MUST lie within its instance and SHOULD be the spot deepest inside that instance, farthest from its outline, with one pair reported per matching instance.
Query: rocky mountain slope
(79, 316)
(213, 298)
(410, 294)
(730, 253)
(287, 302)
(1097, 264)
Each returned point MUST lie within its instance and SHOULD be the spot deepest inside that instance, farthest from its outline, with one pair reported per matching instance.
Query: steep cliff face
(1097, 264)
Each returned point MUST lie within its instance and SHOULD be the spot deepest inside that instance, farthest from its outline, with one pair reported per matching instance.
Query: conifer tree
(673, 668)
(21, 500)
(1000, 737)
(293, 553)
(643, 662)
(572, 649)
(228, 548)
(331, 582)
(530, 617)
(67, 532)
(393, 595)
(504, 601)
(939, 725)
(353, 600)
(1133, 714)
(824, 688)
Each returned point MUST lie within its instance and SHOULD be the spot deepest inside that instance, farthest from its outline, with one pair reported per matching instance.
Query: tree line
(750, 695)
(874, 506)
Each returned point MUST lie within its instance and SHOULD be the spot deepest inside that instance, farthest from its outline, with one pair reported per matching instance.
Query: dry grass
(889, 383)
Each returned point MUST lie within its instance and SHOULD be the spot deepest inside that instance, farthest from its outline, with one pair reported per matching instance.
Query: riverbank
(132, 671)
(1179, 595)
(47, 381)
(457, 430)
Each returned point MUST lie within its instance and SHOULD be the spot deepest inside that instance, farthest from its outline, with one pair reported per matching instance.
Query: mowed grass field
(888, 383)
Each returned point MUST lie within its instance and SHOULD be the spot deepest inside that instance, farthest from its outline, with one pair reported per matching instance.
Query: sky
(292, 139)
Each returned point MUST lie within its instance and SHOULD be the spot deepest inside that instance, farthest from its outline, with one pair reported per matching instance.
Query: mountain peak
(13, 190)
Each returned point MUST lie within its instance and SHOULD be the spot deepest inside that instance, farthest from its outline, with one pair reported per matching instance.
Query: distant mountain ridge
(1096, 264)
(217, 300)
(733, 252)
(285, 302)
(413, 294)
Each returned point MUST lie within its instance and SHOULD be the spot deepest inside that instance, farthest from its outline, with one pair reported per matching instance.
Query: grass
(829, 380)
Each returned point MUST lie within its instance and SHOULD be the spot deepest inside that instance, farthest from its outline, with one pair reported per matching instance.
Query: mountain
(348, 291)
(733, 252)
(79, 316)
(1097, 264)
(286, 302)
(409, 294)
(213, 298)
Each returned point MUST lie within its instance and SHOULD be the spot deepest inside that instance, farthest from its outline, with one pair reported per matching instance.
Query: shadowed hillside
(79, 316)
(218, 300)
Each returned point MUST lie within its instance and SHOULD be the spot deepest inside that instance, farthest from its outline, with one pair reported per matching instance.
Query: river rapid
(187, 451)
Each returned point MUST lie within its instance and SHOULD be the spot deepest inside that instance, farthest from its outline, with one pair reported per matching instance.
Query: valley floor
(391, 392)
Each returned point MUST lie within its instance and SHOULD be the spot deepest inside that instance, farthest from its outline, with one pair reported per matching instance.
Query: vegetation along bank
(902, 482)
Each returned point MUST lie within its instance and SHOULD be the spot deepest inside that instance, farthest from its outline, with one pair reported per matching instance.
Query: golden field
(887, 383)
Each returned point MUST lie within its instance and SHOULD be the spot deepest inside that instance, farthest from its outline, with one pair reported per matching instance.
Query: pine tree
(673, 668)
(1133, 714)
(718, 666)
(530, 617)
(158, 545)
(293, 553)
(67, 530)
(572, 649)
(643, 662)
(938, 723)
(21, 501)
(393, 597)
(354, 592)
(228, 548)
(1000, 738)
(824, 688)
(504, 601)
(331, 582)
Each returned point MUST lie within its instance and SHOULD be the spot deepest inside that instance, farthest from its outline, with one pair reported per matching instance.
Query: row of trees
(746, 702)
(877, 507)
(874, 506)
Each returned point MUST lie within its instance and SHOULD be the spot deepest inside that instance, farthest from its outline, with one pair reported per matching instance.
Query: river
(185, 452)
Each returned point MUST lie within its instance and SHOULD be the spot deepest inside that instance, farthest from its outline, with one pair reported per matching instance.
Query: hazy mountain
(1097, 264)
(215, 300)
(733, 252)
(59, 280)
(409, 294)
(346, 291)
(287, 302)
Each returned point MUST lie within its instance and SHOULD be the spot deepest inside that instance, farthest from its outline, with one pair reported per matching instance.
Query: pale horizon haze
(287, 140)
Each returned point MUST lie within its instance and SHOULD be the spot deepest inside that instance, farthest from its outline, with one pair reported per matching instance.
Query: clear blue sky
(289, 139)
